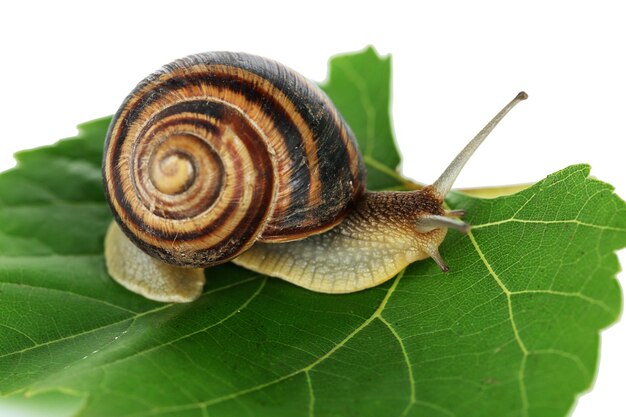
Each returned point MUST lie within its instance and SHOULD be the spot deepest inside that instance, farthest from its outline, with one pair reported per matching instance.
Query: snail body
(229, 156)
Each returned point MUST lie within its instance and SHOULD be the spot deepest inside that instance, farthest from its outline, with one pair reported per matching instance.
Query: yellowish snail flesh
(232, 157)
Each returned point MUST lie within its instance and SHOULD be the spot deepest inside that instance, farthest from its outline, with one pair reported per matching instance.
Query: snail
(232, 157)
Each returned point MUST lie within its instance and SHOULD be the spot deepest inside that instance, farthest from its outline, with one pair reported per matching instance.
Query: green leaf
(360, 86)
(512, 330)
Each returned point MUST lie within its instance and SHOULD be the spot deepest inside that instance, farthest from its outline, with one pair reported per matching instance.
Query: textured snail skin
(372, 244)
(219, 150)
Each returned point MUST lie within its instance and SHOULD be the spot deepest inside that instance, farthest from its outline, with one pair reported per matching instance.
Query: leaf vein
(548, 222)
(583, 297)
(518, 339)
(567, 355)
(409, 366)
(311, 394)
(18, 332)
(138, 315)
(188, 335)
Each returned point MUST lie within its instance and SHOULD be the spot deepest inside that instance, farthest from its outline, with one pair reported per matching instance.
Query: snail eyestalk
(430, 222)
(444, 183)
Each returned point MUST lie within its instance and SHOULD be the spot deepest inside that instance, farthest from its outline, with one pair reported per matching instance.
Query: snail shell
(219, 150)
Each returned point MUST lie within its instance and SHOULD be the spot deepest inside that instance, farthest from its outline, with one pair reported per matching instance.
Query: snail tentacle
(444, 183)
(429, 222)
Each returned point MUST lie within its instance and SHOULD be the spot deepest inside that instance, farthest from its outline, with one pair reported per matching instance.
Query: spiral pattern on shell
(218, 150)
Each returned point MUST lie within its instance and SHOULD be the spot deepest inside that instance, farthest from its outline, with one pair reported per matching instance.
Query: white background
(455, 64)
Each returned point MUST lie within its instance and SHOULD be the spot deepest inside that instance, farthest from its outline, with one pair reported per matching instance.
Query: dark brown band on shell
(218, 150)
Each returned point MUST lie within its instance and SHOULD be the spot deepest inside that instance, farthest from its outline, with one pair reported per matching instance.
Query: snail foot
(145, 275)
